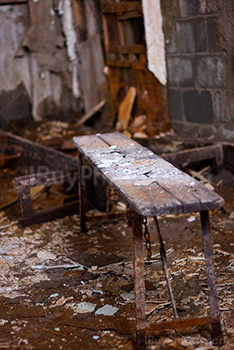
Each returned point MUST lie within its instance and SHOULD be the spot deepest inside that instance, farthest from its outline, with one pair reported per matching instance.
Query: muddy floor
(61, 289)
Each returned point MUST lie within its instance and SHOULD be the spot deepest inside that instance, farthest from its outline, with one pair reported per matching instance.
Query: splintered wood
(126, 109)
(125, 48)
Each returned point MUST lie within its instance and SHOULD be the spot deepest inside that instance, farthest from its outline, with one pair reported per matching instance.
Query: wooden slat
(151, 185)
(108, 6)
(130, 14)
(190, 192)
(147, 201)
(131, 49)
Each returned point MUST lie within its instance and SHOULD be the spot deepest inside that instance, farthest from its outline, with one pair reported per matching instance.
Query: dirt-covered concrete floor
(56, 281)
(60, 289)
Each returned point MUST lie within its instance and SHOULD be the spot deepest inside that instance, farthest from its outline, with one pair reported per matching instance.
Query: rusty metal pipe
(164, 263)
(81, 184)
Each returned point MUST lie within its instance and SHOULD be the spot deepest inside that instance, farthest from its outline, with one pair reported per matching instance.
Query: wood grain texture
(151, 185)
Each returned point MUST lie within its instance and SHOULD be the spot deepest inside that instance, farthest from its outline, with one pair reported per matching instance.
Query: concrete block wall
(199, 38)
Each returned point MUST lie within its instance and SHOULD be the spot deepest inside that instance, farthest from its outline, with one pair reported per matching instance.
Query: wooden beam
(90, 113)
(108, 6)
(131, 49)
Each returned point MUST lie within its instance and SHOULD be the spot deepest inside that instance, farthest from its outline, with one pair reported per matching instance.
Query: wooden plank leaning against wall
(125, 50)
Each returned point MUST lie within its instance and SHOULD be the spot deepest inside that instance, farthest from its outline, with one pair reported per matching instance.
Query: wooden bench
(151, 186)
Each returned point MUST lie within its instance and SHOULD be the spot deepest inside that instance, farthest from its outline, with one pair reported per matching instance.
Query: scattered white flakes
(191, 218)
(82, 308)
(127, 296)
(2, 322)
(107, 310)
(37, 267)
(54, 295)
(99, 291)
(57, 329)
(192, 183)
(94, 268)
(44, 255)
(2, 251)
(96, 337)
(143, 182)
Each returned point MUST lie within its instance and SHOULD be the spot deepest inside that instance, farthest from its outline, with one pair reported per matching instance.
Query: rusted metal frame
(164, 263)
(217, 334)
(139, 283)
(178, 324)
(81, 184)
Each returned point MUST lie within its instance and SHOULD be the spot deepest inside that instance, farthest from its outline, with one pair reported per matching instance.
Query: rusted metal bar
(138, 264)
(129, 215)
(178, 324)
(81, 184)
(164, 263)
(217, 334)
(25, 201)
(108, 200)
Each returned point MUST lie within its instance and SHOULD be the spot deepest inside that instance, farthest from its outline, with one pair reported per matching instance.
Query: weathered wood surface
(151, 185)
(35, 154)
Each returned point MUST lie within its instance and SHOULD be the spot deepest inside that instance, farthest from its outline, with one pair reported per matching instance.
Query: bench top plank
(151, 185)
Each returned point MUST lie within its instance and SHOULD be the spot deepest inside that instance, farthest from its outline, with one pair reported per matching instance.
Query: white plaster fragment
(71, 43)
(155, 39)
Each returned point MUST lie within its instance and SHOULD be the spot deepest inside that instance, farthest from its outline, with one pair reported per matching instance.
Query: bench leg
(217, 334)
(164, 264)
(139, 281)
(81, 183)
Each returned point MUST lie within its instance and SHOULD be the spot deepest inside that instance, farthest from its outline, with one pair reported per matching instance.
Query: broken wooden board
(148, 183)
(125, 109)
(35, 154)
(91, 113)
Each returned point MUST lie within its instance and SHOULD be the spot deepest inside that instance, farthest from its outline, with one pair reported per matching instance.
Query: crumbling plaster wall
(37, 70)
(199, 38)
(14, 93)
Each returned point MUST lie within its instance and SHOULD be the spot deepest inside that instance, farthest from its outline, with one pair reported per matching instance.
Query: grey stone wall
(199, 38)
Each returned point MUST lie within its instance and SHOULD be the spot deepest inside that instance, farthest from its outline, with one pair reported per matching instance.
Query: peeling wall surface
(14, 92)
(155, 39)
(200, 54)
(38, 64)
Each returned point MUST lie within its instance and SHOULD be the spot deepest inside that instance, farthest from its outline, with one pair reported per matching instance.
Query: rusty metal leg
(129, 215)
(164, 263)
(25, 201)
(139, 281)
(108, 199)
(217, 334)
(81, 184)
